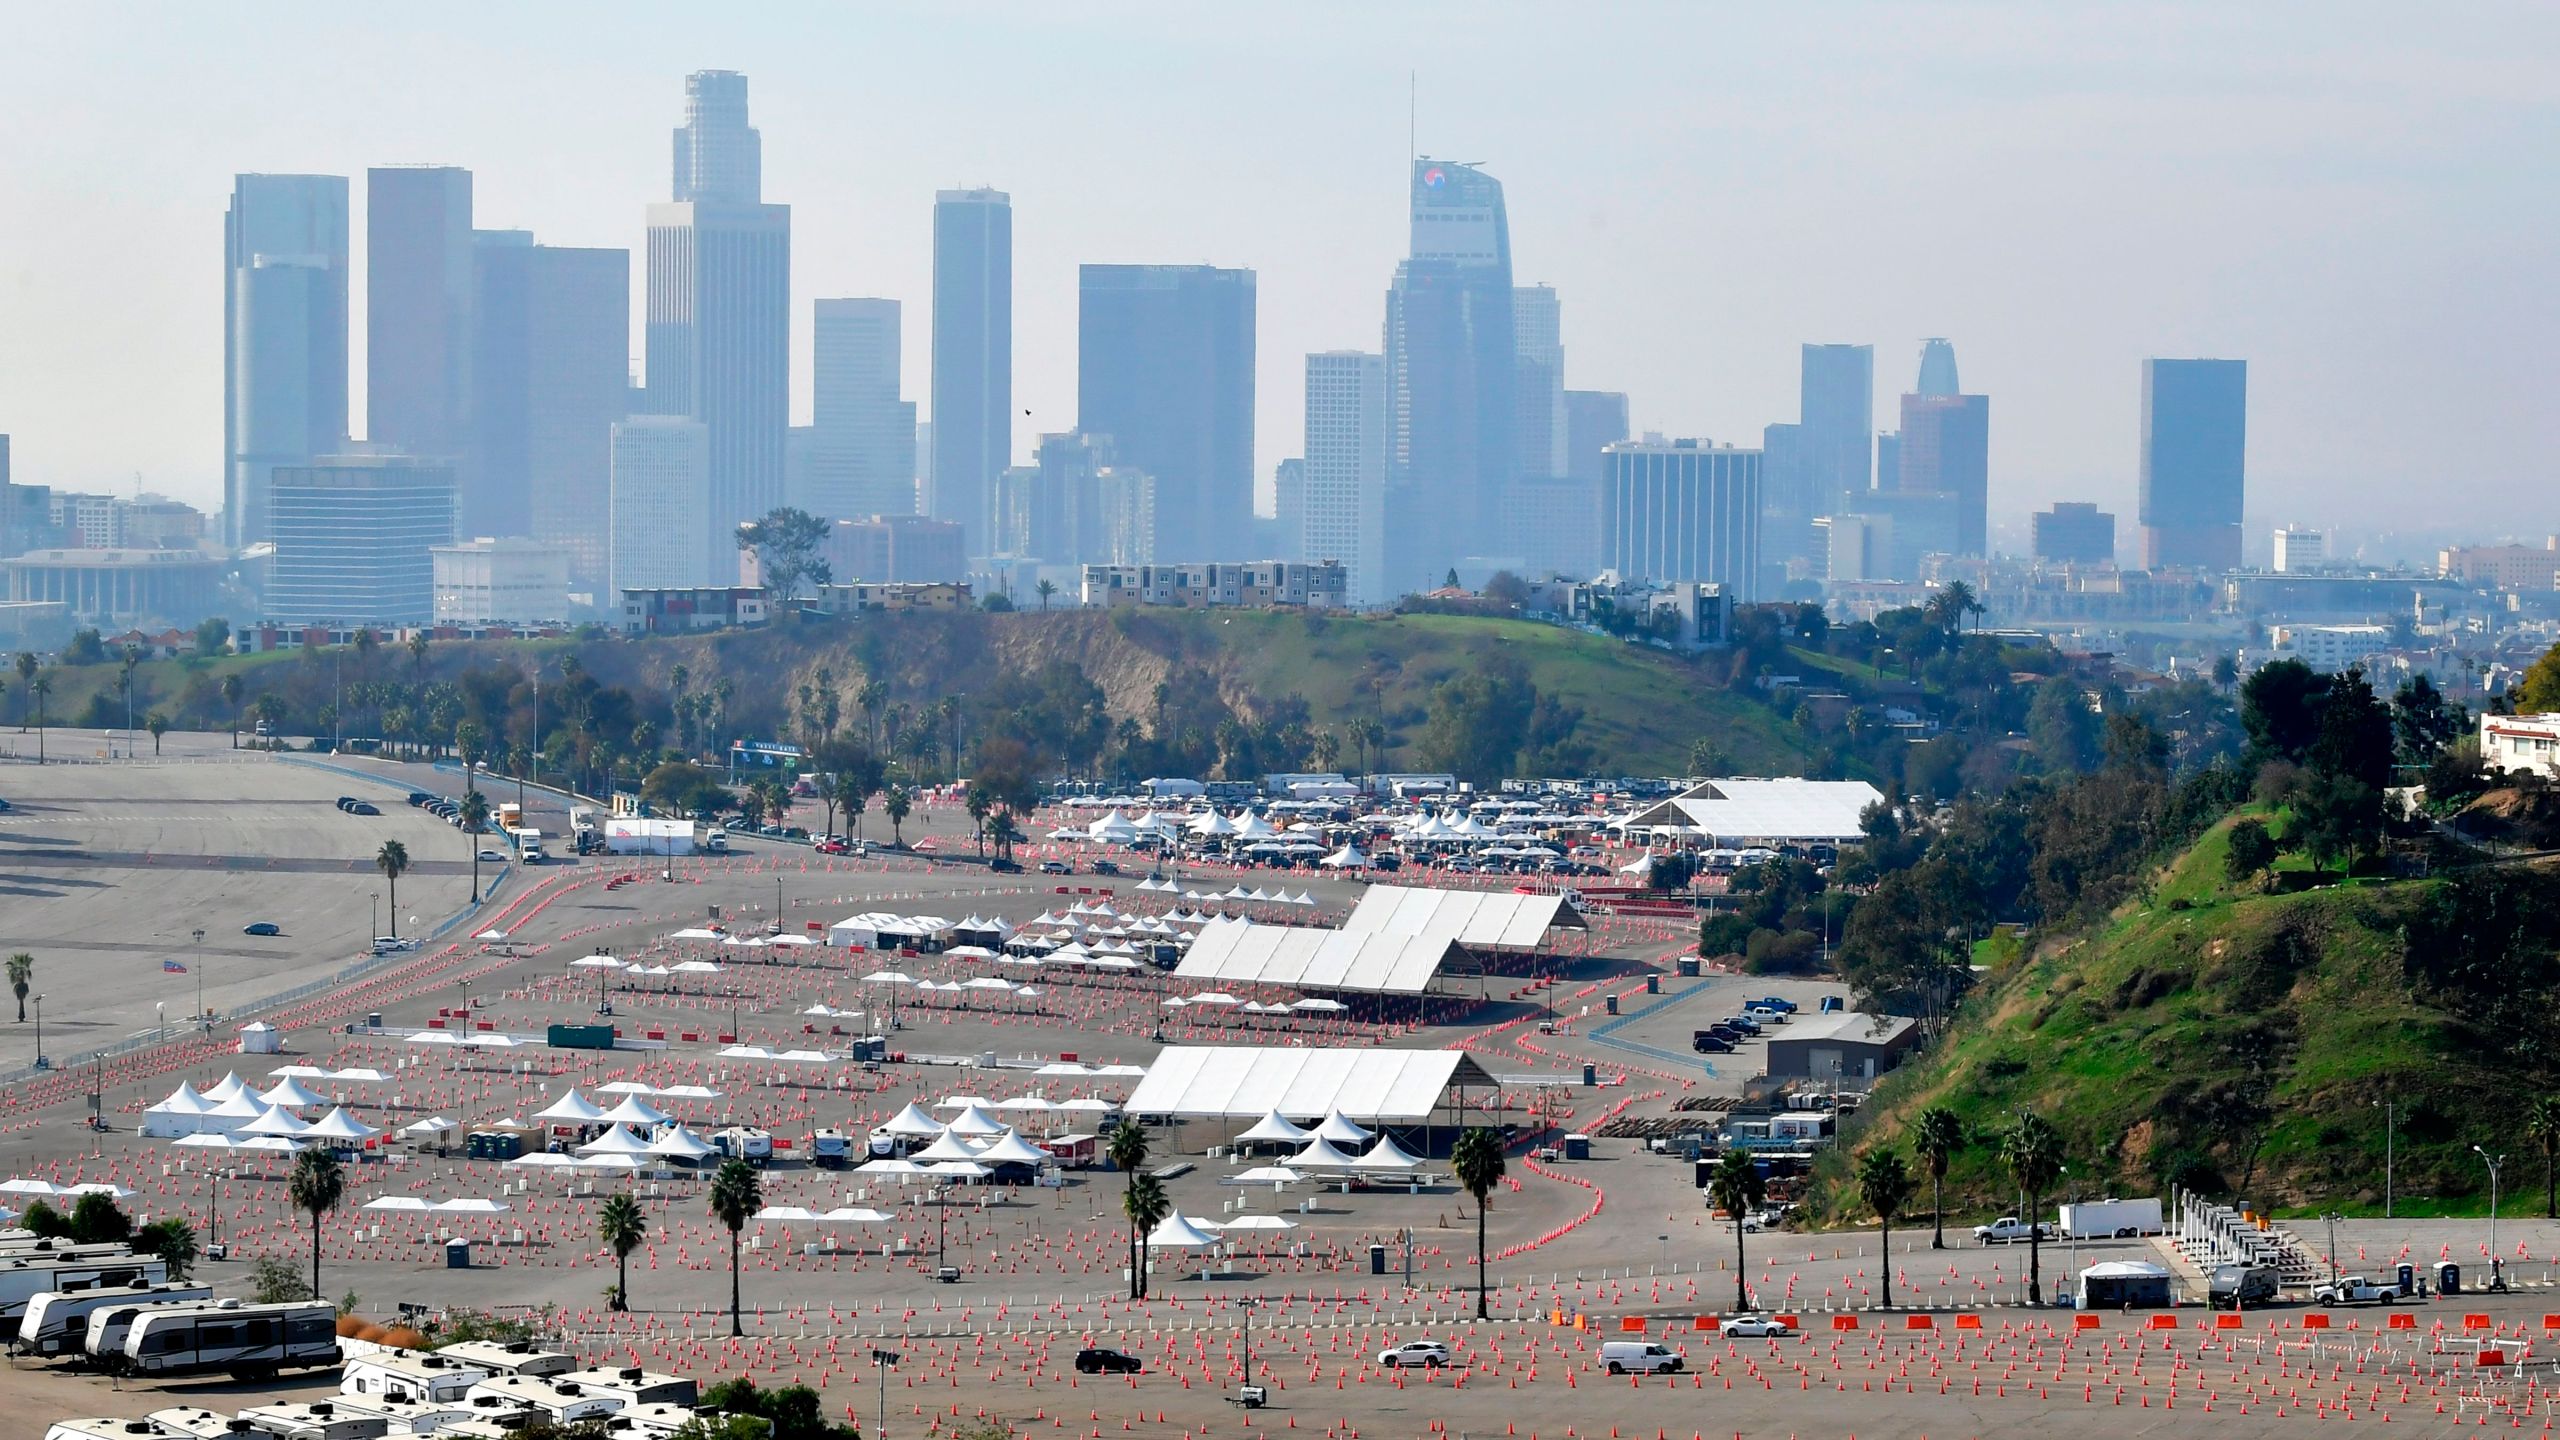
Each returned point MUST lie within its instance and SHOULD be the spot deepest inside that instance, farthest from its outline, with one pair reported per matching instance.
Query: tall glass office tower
(284, 327)
(1452, 382)
(972, 359)
(2195, 442)
(1164, 367)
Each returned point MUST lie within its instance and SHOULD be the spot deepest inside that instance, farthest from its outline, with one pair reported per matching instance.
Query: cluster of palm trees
(2029, 1149)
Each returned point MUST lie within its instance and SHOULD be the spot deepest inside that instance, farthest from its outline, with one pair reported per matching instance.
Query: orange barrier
(2161, 1322)
(2084, 1322)
(2315, 1322)
(2230, 1322)
(1844, 1322)
(1968, 1322)
(2478, 1322)
(1632, 1324)
(2401, 1321)
(1919, 1322)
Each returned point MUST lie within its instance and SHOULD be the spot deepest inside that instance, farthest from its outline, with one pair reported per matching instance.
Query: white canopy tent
(1479, 918)
(1241, 953)
(1246, 1083)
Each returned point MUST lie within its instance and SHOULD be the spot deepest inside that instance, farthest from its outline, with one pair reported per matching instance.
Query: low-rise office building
(1252, 584)
(862, 596)
(485, 581)
(682, 610)
(178, 587)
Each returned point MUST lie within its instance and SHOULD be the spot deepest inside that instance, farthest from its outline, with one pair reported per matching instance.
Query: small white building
(2299, 551)
(491, 581)
(2521, 742)
(2329, 648)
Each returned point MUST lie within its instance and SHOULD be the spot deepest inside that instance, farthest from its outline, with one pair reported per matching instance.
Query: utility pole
(200, 1011)
(883, 1359)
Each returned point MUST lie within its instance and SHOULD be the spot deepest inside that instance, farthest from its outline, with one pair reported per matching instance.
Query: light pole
(2494, 1162)
(2333, 1217)
(198, 936)
(883, 1359)
(377, 918)
(2390, 1124)
(41, 1062)
(941, 1218)
(1245, 1307)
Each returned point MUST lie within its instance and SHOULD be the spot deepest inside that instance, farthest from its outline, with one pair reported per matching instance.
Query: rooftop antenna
(1412, 114)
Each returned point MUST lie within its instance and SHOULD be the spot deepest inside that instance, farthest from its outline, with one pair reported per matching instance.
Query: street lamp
(1245, 1306)
(2390, 1124)
(883, 1359)
(2494, 1162)
(2333, 1217)
(199, 939)
(377, 918)
(41, 1062)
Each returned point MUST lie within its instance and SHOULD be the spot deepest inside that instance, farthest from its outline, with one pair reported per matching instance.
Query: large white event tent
(1242, 953)
(1483, 919)
(1247, 1083)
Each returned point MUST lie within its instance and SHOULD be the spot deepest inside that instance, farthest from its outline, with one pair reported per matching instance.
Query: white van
(415, 1374)
(1640, 1357)
(57, 1321)
(317, 1420)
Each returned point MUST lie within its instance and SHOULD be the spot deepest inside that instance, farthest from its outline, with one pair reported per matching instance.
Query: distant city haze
(2355, 198)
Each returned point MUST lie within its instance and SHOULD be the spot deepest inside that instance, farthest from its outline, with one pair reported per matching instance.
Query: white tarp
(1465, 917)
(1241, 953)
(1400, 1087)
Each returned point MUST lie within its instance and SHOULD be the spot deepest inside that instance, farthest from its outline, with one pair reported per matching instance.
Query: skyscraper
(1537, 326)
(284, 324)
(1946, 450)
(1594, 420)
(661, 502)
(972, 359)
(2195, 441)
(1452, 373)
(719, 310)
(1937, 369)
(418, 288)
(1288, 506)
(1164, 367)
(2075, 532)
(1344, 509)
(550, 374)
(1685, 510)
(864, 461)
(1837, 407)
(354, 536)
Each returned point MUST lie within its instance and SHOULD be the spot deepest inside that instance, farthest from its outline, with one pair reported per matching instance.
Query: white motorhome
(636, 1386)
(317, 1420)
(25, 1276)
(57, 1321)
(547, 1396)
(418, 1374)
(407, 1417)
(244, 1340)
(512, 1357)
(103, 1344)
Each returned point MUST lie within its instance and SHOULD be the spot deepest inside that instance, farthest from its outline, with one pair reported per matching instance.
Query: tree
(897, 805)
(26, 685)
(418, 653)
(786, 544)
(823, 786)
(736, 1195)
(315, 1187)
(1146, 1205)
(232, 689)
(2226, 673)
(1737, 1188)
(2542, 1127)
(2424, 722)
(213, 637)
(22, 978)
(1884, 1182)
(96, 1219)
(1938, 1136)
(473, 812)
(42, 686)
(2538, 691)
(2062, 727)
(680, 787)
(2336, 818)
(1127, 1150)
(1477, 1163)
(393, 861)
(2033, 1154)
(44, 1222)
(174, 1241)
(2280, 709)
(1949, 607)
(2252, 852)
(1046, 588)
(623, 1228)
(158, 725)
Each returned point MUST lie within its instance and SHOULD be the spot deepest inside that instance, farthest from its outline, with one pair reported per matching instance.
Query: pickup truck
(2009, 1229)
(2353, 1290)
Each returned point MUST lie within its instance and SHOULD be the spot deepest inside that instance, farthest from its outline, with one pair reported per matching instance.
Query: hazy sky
(2359, 199)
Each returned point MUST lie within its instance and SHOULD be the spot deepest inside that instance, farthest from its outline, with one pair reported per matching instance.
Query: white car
(1755, 1327)
(1430, 1354)
(494, 857)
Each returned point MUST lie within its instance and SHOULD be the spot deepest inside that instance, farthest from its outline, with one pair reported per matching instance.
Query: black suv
(1707, 1042)
(1095, 1361)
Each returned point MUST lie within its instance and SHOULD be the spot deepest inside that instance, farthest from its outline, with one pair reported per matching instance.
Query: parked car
(1430, 1354)
(262, 927)
(1639, 1357)
(1707, 1042)
(2009, 1229)
(830, 847)
(1094, 1360)
(1743, 1023)
(1002, 866)
(494, 857)
(1105, 867)
(1755, 1327)
(1055, 867)
(363, 808)
(2353, 1290)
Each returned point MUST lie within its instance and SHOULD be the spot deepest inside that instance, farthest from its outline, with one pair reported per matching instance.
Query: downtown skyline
(2405, 352)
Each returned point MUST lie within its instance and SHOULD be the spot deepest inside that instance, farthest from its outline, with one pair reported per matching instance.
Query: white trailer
(57, 1321)
(2111, 1218)
(251, 1341)
(110, 1324)
(648, 837)
(25, 1276)
(416, 1374)
(315, 1420)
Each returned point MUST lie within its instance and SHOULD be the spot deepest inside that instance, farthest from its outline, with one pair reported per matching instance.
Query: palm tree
(158, 725)
(1885, 1184)
(1938, 1137)
(823, 785)
(418, 653)
(623, 1228)
(1146, 1205)
(736, 1195)
(1476, 1160)
(473, 812)
(897, 804)
(316, 1186)
(42, 685)
(2542, 1127)
(871, 699)
(26, 685)
(231, 692)
(22, 978)
(1737, 1189)
(2033, 1153)
(393, 860)
(1127, 1149)
(1046, 588)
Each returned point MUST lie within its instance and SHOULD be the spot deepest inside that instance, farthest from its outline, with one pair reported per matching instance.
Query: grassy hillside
(2235, 1041)
(1642, 708)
